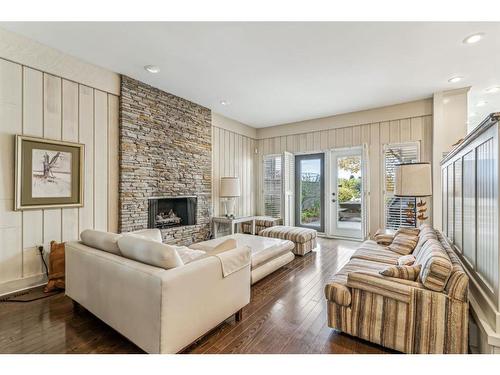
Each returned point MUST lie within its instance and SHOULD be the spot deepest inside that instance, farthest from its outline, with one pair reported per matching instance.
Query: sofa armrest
(197, 297)
(390, 287)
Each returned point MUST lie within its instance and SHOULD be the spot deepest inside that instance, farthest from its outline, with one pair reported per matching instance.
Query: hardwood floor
(287, 314)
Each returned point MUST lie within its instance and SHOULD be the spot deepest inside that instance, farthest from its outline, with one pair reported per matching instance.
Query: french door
(347, 193)
(310, 191)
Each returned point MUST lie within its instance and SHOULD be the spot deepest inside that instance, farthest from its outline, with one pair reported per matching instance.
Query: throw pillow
(225, 245)
(408, 231)
(149, 252)
(402, 272)
(383, 238)
(403, 244)
(101, 240)
(150, 234)
(189, 255)
(406, 260)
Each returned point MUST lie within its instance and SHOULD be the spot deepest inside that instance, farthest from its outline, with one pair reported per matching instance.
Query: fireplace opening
(171, 212)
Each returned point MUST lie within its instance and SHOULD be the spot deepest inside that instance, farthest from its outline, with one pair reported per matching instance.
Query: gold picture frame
(49, 173)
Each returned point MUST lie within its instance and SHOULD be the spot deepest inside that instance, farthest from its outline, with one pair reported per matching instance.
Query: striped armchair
(429, 315)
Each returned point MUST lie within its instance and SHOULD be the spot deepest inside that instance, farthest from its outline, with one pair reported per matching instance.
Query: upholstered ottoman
(304, 238)
(268, 254)
(261, 222)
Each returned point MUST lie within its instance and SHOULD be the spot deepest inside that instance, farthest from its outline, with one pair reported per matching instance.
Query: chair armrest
(398, 289)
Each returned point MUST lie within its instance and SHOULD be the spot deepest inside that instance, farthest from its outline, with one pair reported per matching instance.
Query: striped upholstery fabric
(261, 223)
(436, 265)
(304, 238)
(403, 244)
(336, 289)
(408, 316)
(402, 272)
(408, 231)
(406, 260)
(370, 250)
(458, 283)
(383, 238)
(426, 233)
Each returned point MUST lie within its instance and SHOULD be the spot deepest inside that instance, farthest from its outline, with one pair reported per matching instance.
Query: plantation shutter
(396, 208)
(288, 189)
(272, 188)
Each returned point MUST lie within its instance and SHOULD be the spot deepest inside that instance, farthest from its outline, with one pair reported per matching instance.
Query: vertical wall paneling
(86, 131)
(38, 104)
(100, 160)
(33, 84)
(52, 129)
(10, 123)
(469, 208)
(458, 204)
(374, 135)
(113, 162)
(233, 155)
(69, 134)
(451, 202)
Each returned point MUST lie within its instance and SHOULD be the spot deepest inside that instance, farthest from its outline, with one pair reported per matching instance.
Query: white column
(449, 126)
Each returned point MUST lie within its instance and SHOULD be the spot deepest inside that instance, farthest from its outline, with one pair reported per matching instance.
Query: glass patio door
(347, 193)
(310, 191)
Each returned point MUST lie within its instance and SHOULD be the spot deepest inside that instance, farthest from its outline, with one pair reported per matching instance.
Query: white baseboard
(18, 285)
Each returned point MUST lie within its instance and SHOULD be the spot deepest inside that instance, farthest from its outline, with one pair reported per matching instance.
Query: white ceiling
(274, 73)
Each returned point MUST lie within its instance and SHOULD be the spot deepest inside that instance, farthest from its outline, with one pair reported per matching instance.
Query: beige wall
(394, 124)
(450, 125)
(233, 155)
(35, 103)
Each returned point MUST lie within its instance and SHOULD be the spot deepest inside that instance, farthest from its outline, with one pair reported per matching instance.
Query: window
(399, 211)
(272, 190)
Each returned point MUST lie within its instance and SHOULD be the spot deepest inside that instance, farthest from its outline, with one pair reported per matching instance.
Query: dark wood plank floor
(287, 314)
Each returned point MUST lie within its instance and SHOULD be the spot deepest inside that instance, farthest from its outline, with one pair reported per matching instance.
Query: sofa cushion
(149, 252)
(406, 260)
(402, 272)
(104, 241)
(150, 234)
(403, 244)
(426, 233)
(457, 286)
(336, 289)
(371, 251)
(436, 265)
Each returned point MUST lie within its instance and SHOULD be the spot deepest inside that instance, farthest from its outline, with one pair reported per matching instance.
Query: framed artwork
(49, 173)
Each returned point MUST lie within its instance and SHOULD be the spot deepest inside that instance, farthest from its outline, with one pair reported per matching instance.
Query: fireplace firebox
(167, 212)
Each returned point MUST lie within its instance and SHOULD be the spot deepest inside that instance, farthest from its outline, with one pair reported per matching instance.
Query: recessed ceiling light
(152, 68)
(492, 90)
(455, 79)
(481, 103)
(474, 38)
(224, 102)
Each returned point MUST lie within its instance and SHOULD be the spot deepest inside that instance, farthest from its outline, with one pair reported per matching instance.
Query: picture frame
(49, 173)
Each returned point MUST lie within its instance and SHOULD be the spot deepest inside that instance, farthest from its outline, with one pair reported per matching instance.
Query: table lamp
(229, 189)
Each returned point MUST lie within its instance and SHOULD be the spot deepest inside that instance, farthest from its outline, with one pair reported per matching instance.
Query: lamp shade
(229, 187)
(413, 180)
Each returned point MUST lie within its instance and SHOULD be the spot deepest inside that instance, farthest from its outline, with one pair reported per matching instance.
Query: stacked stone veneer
(165, 150)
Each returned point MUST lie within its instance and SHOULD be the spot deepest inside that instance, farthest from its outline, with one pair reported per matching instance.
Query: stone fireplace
(168, 212)
(165, 152)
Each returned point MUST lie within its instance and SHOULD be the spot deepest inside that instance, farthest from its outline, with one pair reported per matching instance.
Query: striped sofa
(429, 315)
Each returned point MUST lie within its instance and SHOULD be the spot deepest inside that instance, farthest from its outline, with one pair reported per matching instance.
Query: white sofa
(160, 310)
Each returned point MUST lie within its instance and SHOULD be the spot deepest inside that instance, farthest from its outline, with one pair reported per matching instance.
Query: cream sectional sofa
(429, 315)
(160, 310)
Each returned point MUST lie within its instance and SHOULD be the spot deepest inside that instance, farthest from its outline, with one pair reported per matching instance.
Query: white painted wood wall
(43, 105)
(233, 155)
(375, 135)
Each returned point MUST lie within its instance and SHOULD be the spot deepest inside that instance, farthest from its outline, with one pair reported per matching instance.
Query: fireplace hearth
(168, 212)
